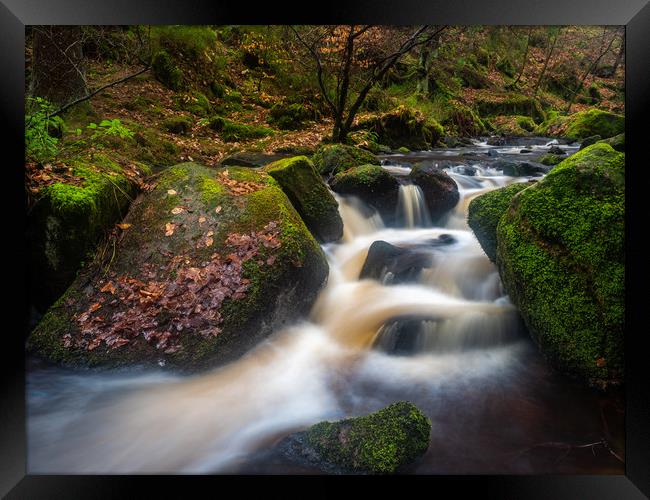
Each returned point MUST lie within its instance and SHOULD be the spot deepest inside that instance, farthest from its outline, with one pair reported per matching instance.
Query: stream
(450, 341)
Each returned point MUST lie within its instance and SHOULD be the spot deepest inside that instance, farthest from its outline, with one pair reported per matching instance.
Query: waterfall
(412, 209)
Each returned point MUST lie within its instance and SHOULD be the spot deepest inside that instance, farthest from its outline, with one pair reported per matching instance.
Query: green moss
(289, 116)
(561, 257)
(594, 122)
(403, 150)
(404, 127)
(194, 102)
(233, 131)
(551, 159)
(485, 211)
(463, 121)
(178, 124)
(335, 158)
(166, 71)
(509, 104)
(309, 195)
(379, 443)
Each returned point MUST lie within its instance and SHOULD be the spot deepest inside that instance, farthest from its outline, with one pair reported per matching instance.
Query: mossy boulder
(178, 124)
(588, 141)
(404, 127)
(550, 159)
(617, 142)
(231, 131)
(463, 121)
(209, 263)
(383, 442)
(440, 191)
(309, 194)
(289, 116)
(194, 102)
(166, 71)
(560, 253)
(513, 125)
(371, 184)
(484, 213)
(332, 159)
(69, 219)
(492, 104)
(594, 122)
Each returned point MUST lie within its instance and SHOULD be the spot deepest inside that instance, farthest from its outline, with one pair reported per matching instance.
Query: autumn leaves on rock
(208, 263)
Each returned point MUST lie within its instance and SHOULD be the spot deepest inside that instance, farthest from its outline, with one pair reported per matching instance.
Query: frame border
(15, 14)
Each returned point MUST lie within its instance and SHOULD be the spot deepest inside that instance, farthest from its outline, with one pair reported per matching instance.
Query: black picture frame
(15, 14)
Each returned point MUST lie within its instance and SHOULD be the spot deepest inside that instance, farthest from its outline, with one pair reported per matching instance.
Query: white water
(156, 423)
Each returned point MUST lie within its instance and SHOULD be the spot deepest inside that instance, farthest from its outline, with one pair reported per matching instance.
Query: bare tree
(351, 59)
(546, 61)
(525, 59)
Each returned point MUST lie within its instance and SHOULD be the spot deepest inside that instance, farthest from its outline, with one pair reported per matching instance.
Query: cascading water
(449, 342)
(412, 209)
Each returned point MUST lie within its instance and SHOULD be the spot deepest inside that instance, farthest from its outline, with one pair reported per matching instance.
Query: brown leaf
(209, 242)
(600, 362)
(108, 288)
(169, 229)
(94, 307)
(201, 220)
(171, 192)
(124, 226)
(218, 209)
(177, 210)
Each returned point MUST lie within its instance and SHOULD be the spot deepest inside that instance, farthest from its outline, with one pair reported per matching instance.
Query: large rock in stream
(380, 443)
(332, 159)
(560, 254)
(371, 184)
(310, 196)
(209, 263)
(440, 191)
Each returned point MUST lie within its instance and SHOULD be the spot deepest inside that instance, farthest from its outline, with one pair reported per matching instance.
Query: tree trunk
(523, 63)
(619, 57)
(548, 58)
(58, 72)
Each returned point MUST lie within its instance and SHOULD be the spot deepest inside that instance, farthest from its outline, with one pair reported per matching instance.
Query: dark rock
(440, 191)
(252, 159)
(526, 168)
(496, 140)
(592, 139)
(526, 151)
(556, 150)
(403, 264)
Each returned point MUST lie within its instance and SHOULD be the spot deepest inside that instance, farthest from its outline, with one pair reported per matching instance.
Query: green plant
(40, 129)
(110, 127)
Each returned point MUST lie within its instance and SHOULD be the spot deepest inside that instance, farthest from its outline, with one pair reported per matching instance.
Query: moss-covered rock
(463, 121)
(594, 122)
(194, 102)
(617, 142)
(69, 219)
(383, 442)
(513, 125)
(484, 213)
(332, 159)
(231, 131)
(560, 253)
(177, 124)
(289, 116)
(493, 104)
(551, 159)
(212, 262)
(588, 141)
(440, 191)
(166, 71)
(309, 194)
(404, 127)
(371, 184)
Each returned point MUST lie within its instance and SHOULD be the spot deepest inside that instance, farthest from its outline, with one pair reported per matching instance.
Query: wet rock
(617, 142)
(383, 442)
(493, 153)
(373, 185)
(556, 150)
(523, 151)
(496, 141)
(392, 264)
(524, 169)
(561, 257)
(440, 191)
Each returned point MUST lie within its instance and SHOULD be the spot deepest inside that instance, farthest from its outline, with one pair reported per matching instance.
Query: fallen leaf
(108, 288)
(601, 362)
(201, 220)
(171, 192)
(124, 226)
(270, 260)
(209, 233)
(208, 242)
(218, 209)
(169, 229)
(94, 307)
(177, 210)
